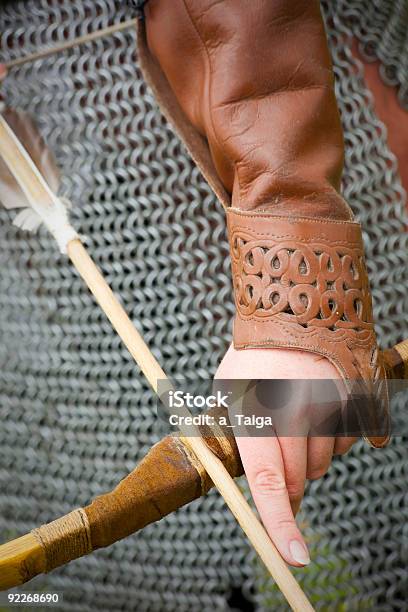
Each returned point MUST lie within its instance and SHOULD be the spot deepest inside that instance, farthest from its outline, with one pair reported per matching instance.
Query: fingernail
(299, 552)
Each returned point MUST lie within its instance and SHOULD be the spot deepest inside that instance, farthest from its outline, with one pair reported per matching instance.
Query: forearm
(254, 81)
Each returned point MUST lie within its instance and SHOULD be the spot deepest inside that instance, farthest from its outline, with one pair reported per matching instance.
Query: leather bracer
(302, 283)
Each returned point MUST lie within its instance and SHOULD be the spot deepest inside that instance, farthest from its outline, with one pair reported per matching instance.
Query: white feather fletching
(28, 220)
(44, 175)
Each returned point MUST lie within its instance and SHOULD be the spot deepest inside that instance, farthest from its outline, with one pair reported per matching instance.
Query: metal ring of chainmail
(76, 415)
(137, 5)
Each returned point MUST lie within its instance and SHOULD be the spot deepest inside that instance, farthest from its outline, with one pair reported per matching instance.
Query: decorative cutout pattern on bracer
(315, 285)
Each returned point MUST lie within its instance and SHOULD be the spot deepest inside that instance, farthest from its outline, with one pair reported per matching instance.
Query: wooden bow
(168, 477)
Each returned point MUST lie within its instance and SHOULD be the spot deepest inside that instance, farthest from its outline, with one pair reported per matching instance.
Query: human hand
(277, 467)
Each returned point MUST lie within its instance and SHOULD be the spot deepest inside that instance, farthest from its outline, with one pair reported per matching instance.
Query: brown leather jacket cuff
(302, 283)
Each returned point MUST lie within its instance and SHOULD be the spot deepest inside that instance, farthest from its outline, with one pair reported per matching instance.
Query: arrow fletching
(30, 179)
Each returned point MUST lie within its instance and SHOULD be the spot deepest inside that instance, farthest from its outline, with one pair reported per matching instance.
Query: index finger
(263, 464)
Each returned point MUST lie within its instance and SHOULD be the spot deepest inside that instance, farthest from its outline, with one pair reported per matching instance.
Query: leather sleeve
(255, 78)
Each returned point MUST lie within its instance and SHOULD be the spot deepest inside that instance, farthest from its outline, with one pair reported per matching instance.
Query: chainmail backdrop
(381, 27)
(76, 415)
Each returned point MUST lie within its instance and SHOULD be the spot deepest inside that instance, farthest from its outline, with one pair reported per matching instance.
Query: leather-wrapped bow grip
(168, 477)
